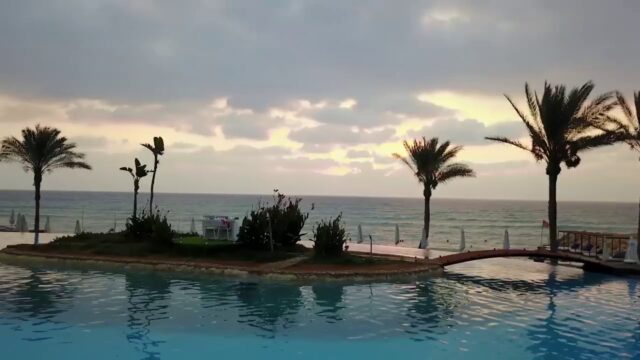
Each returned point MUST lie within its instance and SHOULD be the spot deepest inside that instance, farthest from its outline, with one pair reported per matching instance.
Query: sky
(310, 97)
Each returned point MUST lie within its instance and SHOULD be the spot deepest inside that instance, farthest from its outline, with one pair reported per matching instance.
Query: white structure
(216, 227)
(505, 242)
(424, 243)
(360, 237)
(462, 241)
(632, 251)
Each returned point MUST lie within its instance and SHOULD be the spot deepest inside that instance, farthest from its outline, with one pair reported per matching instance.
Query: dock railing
(593, 243)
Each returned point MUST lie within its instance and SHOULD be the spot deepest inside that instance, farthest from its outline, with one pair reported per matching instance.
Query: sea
(484, 221)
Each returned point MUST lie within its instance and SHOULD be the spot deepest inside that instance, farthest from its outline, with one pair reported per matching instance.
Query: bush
(254, 230)
(329, 238)
(286, 218)
(154, 228)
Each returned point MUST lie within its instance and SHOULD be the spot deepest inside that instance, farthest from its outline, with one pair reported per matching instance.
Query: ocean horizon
(483, 220)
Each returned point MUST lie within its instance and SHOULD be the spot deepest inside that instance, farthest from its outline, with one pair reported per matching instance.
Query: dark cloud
(262, 54)
(470, 131)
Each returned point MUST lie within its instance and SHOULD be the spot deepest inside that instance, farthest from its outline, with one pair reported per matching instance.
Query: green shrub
(329, 238)
(154, 228)
(254, 230)
(285, 217)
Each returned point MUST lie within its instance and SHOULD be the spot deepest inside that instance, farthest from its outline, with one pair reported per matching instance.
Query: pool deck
(415, 261)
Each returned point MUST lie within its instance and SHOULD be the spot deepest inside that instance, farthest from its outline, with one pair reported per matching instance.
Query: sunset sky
(311, 97)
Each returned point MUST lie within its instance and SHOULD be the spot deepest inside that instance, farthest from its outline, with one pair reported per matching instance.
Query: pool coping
(420, 268)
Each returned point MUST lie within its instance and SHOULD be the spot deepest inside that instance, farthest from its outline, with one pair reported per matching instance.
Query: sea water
(483, 221)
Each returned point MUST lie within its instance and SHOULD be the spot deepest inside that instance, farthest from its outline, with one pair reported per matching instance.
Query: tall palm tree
(628, 130)
(560, 126)
(41, 150)
(137, 173)
(430, 163)
(157, 149)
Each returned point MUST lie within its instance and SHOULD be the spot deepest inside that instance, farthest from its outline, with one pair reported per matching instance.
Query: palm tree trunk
(153, 182)
(553, 213)
(427, 211)
(638, 234)
(37, 180)
(135, 204)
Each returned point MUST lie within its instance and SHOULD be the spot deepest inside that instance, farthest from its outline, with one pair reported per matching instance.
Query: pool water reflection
(503, 308)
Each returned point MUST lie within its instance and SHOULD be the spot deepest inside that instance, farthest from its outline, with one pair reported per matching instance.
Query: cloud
(469, 132)
(339, 134)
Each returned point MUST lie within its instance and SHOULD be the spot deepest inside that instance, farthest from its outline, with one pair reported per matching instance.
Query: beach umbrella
(25, 225)
(462, 241)
(12, 218)
(18, 226)
(505, 242)
(606, 250)
(360, 237)
(632, 251)
(78, 229)
(424, 243)
(193, 226)
(397, 234)
(47, 225)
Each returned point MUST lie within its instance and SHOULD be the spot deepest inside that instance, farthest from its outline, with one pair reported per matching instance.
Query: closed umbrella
(424, 243)
(462, 241)
(47, 225)
(360, 237)
(78, 229)
(632, 251)
(25, 225)
(193, 226)
(505, 242)
(397, 234)
(12, 218)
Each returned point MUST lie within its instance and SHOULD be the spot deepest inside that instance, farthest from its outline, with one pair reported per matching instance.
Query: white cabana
(397, 235)
(47, 225)
(632, 251)
(360, 237)
(78, 228)
(424, 243)
(462, 241)
(505, 242)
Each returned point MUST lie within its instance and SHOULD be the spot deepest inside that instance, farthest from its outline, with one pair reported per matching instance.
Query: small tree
(157, 149)
(139, 172)
(329, 238)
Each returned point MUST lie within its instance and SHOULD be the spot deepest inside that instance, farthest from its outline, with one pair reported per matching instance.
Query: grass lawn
(116, 244)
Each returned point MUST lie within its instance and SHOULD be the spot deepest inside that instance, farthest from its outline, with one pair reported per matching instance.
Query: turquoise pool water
(494, 309)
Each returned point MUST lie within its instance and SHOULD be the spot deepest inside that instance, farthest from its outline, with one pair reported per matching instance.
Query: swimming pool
(474, 311)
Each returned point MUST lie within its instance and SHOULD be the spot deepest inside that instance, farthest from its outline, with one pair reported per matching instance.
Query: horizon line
(330, 196)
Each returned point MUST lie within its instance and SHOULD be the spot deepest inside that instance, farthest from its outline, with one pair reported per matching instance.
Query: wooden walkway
(591, 263)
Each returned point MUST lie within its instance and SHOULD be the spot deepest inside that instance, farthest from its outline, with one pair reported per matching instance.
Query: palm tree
(628, 130)
(139, 172)
(430, 163)
(560, 126)
(41, 150)
(158, 150)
